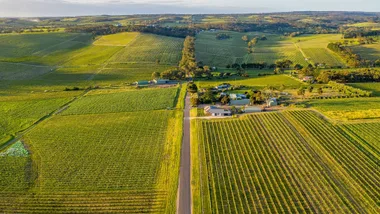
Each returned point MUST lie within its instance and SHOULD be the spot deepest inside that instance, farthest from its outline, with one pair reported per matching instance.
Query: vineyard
(348, 109)
(147, 48)
(129, 162)
(124, 101)
(290, 162)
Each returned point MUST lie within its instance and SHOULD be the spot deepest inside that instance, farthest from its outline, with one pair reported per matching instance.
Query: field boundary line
(69, 40)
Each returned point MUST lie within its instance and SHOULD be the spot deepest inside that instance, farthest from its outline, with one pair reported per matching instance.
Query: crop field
(369, 51)
(147, 48)
(137, 100)
(301, 50)
(14, 71)
(349, 109)
(374, 87)
(315, 49)
(18, 115)
(366, 133)
(120, 39)
(129, 162)
(25, 45)
(262, 81)
(127, 72)
(290, 162)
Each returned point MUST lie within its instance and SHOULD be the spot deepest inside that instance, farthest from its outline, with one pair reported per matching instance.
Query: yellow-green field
(120, 39)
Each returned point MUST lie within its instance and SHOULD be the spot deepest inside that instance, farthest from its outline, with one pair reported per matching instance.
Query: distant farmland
(301, 50)
(281, 163)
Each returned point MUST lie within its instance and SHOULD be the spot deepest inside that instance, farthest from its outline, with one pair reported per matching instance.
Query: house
(241, 102)
(238, 96)
(222, 87)
(215, 111)
(272, 102)
(161, 81)
(307, 78)
(142, 82)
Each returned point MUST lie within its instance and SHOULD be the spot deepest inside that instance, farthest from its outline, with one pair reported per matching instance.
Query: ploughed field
(289, 162)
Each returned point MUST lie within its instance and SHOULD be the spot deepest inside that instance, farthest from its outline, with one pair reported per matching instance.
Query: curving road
(184, 189)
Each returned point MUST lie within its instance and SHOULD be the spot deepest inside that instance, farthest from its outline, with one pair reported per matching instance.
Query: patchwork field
(291, 162)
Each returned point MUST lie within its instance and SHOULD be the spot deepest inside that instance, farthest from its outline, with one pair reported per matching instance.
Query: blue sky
(16, 8)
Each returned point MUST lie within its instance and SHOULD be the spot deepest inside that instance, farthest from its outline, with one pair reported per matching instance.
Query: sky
(38, 8)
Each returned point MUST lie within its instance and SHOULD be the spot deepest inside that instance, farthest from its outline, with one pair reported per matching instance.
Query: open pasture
(291, 162)
(148, 48)
(124, 101)
(16, 71)
(129, 162)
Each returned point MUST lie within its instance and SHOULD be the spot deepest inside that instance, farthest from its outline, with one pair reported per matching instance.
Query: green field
(262, 81)
(291, 162)
(349, 109)
(314, 47)
(147, 48)
(123, 159)
(369, 51)
(18, 115)
(120, 39)
(374, 87)
(301, 50)
(124, 101)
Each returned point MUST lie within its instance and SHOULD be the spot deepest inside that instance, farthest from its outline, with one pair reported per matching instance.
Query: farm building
(242, 102)
(307, 78)
(142, 82)
(221, 87)
(215, 111)
(272, 102)
(161, 81)
(251, 109)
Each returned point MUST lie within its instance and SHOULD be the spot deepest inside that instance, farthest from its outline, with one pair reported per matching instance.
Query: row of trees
(180, 32)
(188, 63)
(350, 91)
(347, 53)
(222, 36)
(361, 75)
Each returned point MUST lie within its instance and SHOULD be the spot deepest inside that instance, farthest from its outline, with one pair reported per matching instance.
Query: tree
(310, 89)
(194, 101)
(192, 88)
(245, 38)
(301, 91)
(156, 75)
(225, 100)
(298, 67)
(320, 91)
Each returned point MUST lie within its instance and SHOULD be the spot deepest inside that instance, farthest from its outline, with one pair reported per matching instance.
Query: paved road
(184, 190)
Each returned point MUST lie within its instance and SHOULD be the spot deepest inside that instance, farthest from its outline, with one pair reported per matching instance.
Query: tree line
(111, 29)
(361, 75)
